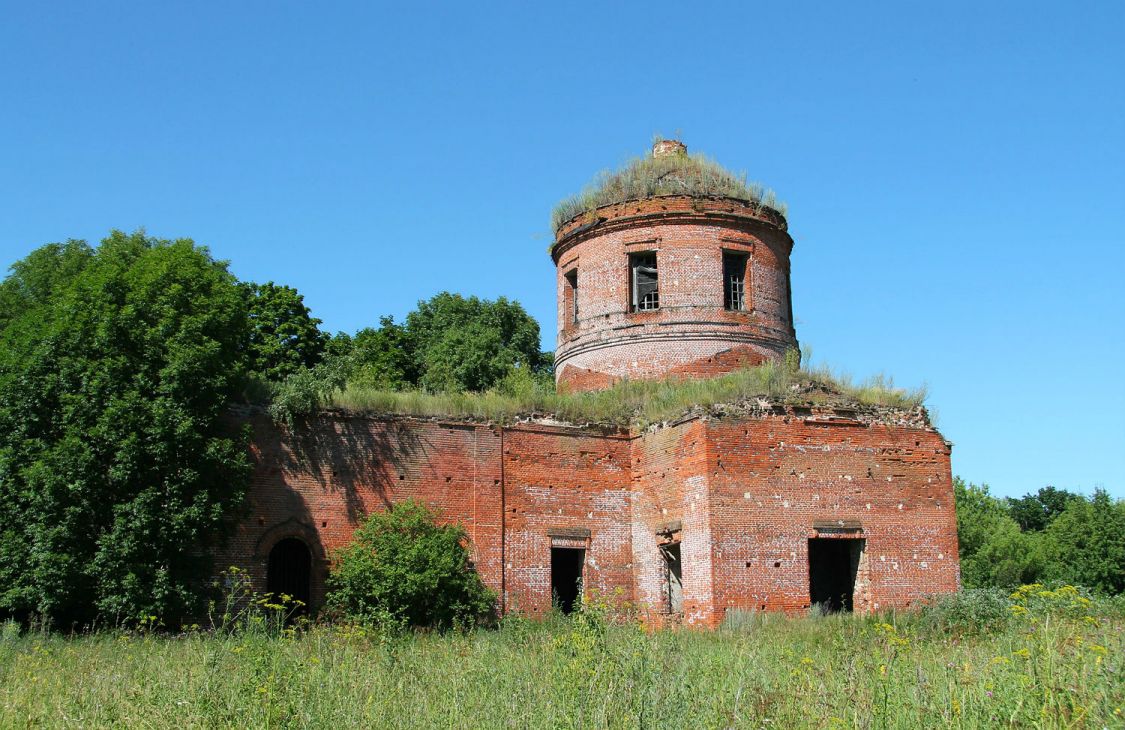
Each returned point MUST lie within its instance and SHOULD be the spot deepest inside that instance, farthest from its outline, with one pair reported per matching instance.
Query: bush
(403, 569)
(971, 611)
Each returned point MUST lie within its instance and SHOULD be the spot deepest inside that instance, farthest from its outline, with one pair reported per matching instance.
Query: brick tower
(662, 284)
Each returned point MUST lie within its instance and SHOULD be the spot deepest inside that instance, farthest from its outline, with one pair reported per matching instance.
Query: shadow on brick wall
(348, 455)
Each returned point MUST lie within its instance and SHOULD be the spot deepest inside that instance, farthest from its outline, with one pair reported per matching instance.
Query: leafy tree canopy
(116, 468)
(1051, 535)
(1085, 544)
(1036, 511)
(992, 549)
(384, 358)
(469, 343)
(283, 335)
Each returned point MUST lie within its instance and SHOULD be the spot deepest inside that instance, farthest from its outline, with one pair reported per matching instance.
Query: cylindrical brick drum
(672, 285)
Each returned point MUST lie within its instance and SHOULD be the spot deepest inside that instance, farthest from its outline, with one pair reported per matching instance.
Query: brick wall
(741, 495)
(777, 482)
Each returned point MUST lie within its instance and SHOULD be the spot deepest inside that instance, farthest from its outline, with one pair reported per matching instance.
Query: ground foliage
(117, 468)
(1064, 537)
(1054, 659)
(404, 569)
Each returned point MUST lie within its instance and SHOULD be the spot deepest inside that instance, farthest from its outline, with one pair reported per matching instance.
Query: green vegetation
(283, 336)
(640, 402)
(403, 569)
(117, 469)
(1051, 535)
(1054, 660)
(449, 344)
(676, 174)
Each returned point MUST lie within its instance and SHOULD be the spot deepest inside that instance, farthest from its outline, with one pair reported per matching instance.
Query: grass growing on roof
(675, 174)
(640, 402)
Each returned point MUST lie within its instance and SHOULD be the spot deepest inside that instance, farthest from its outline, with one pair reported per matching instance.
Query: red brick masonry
(691, 333)
(742, 494)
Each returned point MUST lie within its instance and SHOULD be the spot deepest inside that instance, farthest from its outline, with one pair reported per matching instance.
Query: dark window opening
(290, 572)
(673, 576)
(572, 280)
(734, 280)
(833, 565)
(566, 577)
(645, 287)
(789, 298)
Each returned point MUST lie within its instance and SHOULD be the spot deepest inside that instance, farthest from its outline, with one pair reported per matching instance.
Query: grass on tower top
(674, 174)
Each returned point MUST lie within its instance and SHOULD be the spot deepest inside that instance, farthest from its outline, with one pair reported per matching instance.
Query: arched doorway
(290, 571)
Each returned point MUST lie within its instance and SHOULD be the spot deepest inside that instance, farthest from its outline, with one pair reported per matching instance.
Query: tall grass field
(1039, 658)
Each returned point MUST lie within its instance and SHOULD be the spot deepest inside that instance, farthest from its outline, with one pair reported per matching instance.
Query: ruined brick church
(752, 507)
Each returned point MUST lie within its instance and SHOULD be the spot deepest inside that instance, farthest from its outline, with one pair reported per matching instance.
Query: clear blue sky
(955, 171)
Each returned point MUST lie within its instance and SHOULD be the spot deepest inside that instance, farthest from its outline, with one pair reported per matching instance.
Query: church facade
(755, 506)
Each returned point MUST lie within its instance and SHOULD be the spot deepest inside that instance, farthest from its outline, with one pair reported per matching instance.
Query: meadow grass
(642, 402)
(1059, 667)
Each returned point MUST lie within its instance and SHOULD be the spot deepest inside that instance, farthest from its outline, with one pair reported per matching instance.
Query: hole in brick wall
(261, 521)
(777, 564)
(335, 473)
(324, 524)
(448, 479)
(401, 477)
(566, 577)
(833, 564)
(289, 570)
(749, 564)
(673, 577)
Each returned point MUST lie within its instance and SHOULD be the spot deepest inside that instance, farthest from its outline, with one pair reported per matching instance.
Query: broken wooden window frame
(644, 282)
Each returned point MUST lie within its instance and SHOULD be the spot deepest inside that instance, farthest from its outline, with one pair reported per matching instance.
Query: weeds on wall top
(628, 403)
(676, 174)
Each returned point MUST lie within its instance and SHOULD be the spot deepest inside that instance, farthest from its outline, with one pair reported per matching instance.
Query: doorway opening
(674, 582)
(566, 577)
(833, 565)
(290, 572)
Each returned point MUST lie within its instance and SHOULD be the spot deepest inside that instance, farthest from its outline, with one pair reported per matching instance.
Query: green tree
(404, 569)
(117, 466)
(470, 343)
(1036, 511)
(34, 280)
(283, 335)
(992, 549)
(383, 358)
(1085, 545)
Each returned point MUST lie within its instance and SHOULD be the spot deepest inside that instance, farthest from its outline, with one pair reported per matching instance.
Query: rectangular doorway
(833, 565)
(674, 582)
(566, 577)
